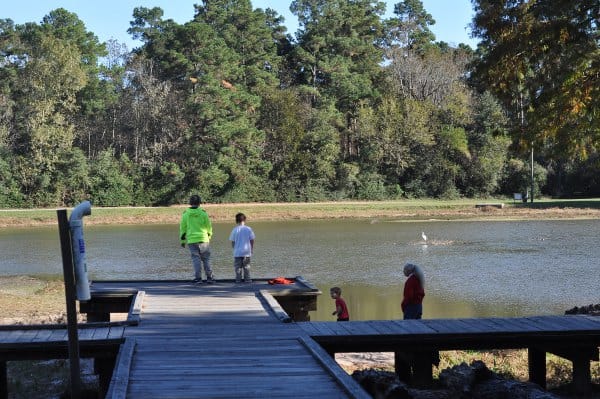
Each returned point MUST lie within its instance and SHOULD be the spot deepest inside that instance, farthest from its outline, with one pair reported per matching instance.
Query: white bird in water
(423, 236)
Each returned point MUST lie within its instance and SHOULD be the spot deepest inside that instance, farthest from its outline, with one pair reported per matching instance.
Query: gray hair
(411, 268)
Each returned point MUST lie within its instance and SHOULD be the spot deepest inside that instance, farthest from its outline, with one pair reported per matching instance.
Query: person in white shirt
(242, 241)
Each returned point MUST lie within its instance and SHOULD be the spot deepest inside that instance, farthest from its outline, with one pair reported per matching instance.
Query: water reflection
(472, 268)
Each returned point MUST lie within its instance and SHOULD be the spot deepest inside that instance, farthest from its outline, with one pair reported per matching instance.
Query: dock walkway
(219, 341)
(574, 337)
(227, 340)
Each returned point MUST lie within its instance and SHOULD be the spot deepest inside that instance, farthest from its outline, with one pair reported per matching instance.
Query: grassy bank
(402, 209)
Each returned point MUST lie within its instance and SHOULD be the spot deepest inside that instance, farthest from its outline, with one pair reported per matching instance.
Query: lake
(472, 268)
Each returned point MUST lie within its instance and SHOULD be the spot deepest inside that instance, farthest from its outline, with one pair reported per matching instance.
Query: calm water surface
(472, 268)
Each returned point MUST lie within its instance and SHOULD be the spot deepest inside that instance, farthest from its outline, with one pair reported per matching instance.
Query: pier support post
(3, 380)
(104, 366)
(582, 375)
(537, 366)
(580, 358)
(415, 367)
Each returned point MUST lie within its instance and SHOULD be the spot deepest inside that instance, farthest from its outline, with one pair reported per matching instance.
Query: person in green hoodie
(195, 229)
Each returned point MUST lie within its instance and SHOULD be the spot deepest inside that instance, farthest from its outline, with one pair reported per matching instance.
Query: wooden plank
(308, 391)
(339, 327)
(263, 371)
(358, 327)
(537, 323)
(483, 325)
(594, 319)
(446, 326)
(325, 328)
(275, 307)
(43, 335)
(58, 335)
(308, 328)
(120, 378)
(218, 363)
(571, 324)
(413, 326)
(383, 327)
(101, 333)
(86, 334)
(205, 382)
(548, 323)
(136, 307)
(116, 332)
(28, 336)
(513, 325)
(12, 336)
(584, 321)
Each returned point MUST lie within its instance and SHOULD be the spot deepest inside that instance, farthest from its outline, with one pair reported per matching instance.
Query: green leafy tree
(72, 177)
(338, 57)
(301, 148)
(409, 29)
(159, 185)
(489, 145)
(45, 102)
(220, 147)
(10, 194)
(392, 137)
(110, 185)
(541, 59)
(516, 177)
(252, 34)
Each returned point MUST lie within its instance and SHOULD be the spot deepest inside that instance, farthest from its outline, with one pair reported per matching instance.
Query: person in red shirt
(412, 302)
(341, 310)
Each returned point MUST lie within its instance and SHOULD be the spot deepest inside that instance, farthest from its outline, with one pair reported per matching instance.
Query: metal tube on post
(78, 248)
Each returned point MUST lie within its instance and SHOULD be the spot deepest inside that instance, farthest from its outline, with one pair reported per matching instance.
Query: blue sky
(110, 18)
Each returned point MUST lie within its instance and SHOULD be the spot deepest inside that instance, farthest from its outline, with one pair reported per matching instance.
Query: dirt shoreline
(398, 211)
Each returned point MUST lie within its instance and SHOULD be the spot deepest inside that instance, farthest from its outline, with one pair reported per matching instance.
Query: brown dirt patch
(28, 300)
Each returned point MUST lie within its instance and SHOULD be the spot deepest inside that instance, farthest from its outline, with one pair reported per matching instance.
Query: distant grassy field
(404, 209)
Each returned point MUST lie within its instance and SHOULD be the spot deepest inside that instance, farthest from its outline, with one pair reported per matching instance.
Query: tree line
(351, 106)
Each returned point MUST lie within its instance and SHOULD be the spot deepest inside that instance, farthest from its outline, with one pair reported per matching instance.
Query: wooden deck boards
(223, 341)
(219, 341)
(55, 335)
(439, 327)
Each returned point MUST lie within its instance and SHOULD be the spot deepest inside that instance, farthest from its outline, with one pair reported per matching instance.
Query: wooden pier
(222, 340)
(176, 339)
(418, 342)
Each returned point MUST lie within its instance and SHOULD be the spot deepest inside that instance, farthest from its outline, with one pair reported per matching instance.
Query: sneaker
(197, 281)
(238, 281)
(248, 280)
(210, 281)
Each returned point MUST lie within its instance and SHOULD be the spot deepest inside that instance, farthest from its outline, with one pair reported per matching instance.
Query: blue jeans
(200, 252)
(414, 311)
